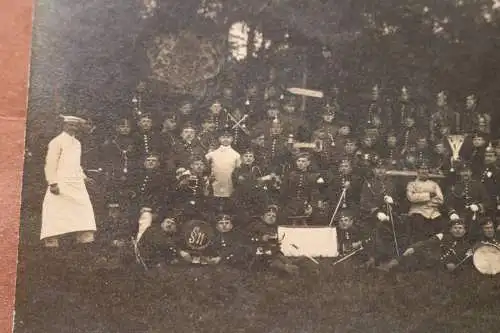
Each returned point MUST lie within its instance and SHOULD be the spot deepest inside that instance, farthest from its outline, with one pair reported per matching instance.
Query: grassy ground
(55, 295)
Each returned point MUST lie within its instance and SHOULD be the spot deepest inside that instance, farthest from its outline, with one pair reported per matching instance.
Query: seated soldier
(450, 249)
(489, 234)
(148, 194)
(264, 234)
(300, 191)
(348, 235)
(192, 190)
(425, 198)
(251, 185)
(229, 244)
(158, 245)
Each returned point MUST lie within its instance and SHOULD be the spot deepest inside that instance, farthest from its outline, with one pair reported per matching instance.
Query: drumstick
(309, 257)
(348, 256)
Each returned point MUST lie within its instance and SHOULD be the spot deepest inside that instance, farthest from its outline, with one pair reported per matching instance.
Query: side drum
(486, 259)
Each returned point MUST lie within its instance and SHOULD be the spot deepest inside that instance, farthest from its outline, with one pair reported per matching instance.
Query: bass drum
(486, 259)
(198, 235)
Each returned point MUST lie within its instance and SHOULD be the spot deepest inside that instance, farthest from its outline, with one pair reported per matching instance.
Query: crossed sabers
(238, 123)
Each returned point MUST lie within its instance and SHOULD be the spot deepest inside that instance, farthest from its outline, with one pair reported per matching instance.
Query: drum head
(197, 234)
(486, 259)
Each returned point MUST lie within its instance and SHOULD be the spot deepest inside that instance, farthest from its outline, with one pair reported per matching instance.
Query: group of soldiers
(204, 174)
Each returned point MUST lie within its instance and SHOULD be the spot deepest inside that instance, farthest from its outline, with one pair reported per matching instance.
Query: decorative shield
(197, 234)
(185, 62)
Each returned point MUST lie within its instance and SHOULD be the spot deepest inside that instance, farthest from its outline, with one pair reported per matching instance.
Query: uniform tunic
(71, 210)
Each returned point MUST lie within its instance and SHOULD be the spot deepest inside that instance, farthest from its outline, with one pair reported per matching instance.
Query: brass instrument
(316, 145)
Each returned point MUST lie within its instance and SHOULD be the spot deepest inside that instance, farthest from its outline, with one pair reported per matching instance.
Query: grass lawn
(55, 296)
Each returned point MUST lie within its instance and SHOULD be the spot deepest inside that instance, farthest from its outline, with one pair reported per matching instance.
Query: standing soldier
(145, 139)
(184, 149)
(208, 134)
(490, 177)
(223, 161)
(118, 156)
(217, 113)
(408, 136)
(292, 122)
(169, 132)
(390, 151)
(467, 199)
(422, 149)
(473, 150)
(67, 208)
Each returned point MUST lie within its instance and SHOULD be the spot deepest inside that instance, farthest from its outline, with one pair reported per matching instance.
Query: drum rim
(475, 256)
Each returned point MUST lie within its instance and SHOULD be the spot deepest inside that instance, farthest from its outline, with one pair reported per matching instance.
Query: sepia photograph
(261, 166)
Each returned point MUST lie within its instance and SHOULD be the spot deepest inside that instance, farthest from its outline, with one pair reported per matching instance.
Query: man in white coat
(426, 198)
(223, 161)
(66, 207)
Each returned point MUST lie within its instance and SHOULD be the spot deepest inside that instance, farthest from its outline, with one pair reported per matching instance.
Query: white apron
(71, 210)
(223, 161)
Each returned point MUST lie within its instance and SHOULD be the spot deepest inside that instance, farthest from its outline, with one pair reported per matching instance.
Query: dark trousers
(422, 228)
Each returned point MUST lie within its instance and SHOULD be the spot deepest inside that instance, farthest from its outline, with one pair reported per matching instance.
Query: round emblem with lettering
(197, 234)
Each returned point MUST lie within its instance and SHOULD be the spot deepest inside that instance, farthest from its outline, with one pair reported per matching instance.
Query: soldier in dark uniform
(467, 199)
(408, 136)
(185, 113)
(367, 155)
(344, 133)
(273, 153)
(146, 139)
(148, 191)
(349, 237)
(158, 246)
(264, 235)
(273, 117)
(345, 178)
(377, 203)
(118, 156)
(217, 113)
(187, 147)
(300, 191)
(292, 122)
(441, 158)
(230, 243)
(208, 134)
(446, 249)
(169, 133)
(473, 150)
(328, 124)
(422, 148)
(192, 191)
(251, 185)
(489, 235)
(390, 152)
(489, 175)
(325, 157)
